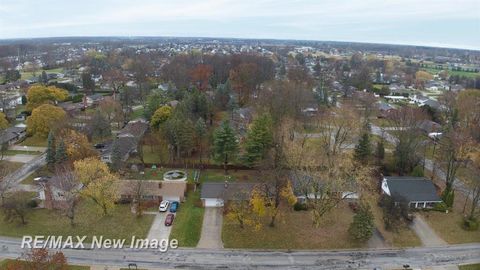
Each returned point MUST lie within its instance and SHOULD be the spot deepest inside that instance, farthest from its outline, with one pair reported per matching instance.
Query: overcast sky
(445, 23)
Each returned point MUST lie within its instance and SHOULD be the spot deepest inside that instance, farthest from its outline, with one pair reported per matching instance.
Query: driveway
(27, 148)
(20, 158)
(426, 234)
(211, 236)
(159, 230)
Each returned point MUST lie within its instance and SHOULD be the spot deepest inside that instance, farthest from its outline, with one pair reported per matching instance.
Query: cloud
(313, 19)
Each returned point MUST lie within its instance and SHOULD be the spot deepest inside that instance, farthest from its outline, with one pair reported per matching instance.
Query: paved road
(248, 259)
(159, 230)
(211, 236)
(27, 169)
(426, 234)
(27, 148)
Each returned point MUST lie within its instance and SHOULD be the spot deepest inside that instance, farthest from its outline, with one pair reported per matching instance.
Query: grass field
(188, 222)
(10, 166)
(35, 141)
(3, 265)
(21, 152)
(295, 230)
(28, 75)
(469, 267)
(119, 224)
(43, 171)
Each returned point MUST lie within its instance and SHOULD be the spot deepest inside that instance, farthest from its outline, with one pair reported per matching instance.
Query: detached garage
(216, 194)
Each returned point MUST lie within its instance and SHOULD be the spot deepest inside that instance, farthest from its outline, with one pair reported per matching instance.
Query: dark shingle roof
(412, 189)
(218, 190)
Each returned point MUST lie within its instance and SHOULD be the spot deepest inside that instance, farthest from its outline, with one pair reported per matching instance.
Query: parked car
(169, 219)
(174, 207)
(163, 206)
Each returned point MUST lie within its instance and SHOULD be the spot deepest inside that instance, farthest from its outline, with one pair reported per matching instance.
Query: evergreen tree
(50, 149)
(259, 139)
(44, 77)
(363, 149)
(362, 226)
(200, 134)
(225, 144)
(61, 153)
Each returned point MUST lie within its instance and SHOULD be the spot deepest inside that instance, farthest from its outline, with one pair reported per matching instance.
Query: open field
(188, 221)
(28, 75)
(119, 224)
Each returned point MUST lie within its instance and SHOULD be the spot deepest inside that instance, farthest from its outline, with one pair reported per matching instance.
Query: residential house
(52, 194)
(126, 142)
(152, 190)
(94, 99)
(417, 192)
(309, 187)
(217, 194)
(12, 135)
(428, 126)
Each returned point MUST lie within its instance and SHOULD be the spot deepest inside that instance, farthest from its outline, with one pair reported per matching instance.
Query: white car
(164, 206)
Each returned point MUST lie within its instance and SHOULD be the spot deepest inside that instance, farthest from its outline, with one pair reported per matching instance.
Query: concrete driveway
(20, 158)
(426, 234)
(212, 228)
(159, 230)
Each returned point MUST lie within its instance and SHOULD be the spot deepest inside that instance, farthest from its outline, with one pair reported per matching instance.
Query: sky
(441, 23)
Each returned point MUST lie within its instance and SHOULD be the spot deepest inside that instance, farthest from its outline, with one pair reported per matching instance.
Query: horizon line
(439, 46)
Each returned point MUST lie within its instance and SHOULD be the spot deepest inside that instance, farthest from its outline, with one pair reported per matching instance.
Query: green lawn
(28, 75)
(4, 263)
(21, 152)
(35, 141)
(137, 113)
(119, 224)
(188, 221)
(469, 267)
(43, 171)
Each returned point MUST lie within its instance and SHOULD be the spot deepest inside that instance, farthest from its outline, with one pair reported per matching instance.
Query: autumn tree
(3, 121)
(179, 132)
(225, 144)
(240, 210)
(39, 259)
(43, 119)
(76, 144)
(99, 183)
(421, 77)
(111, 109)
(243, 80)
(6, 182)
(99, 126)
(115, 79)
(154, 101)
(38, 95)
(200, 76)
(15, 206)
(160, 116)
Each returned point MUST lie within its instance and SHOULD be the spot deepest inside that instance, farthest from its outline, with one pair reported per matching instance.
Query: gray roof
(10, 134)
(215, 190)
(412, 189)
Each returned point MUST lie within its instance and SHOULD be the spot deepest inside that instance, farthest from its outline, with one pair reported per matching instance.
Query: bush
(448, 197)
(417, 171)
(470, 224)
(32, 203)
(298, 206)
(441, 207)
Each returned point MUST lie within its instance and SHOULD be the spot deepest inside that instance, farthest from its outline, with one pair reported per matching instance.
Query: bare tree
(66, 180)
(6, 182)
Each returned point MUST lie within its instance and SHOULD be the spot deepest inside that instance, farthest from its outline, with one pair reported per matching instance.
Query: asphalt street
(246, 259)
